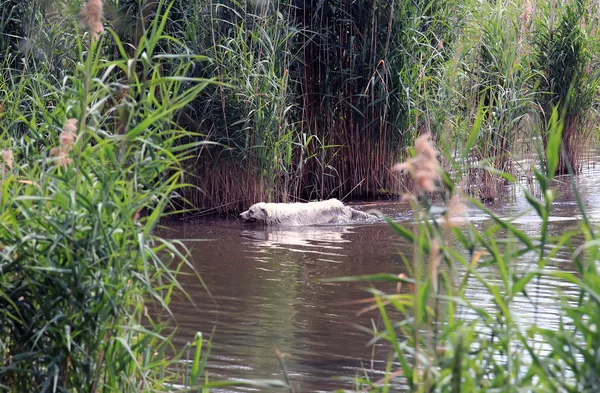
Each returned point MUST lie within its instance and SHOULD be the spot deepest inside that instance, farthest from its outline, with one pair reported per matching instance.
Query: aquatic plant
(88, 170)
(567, 78)
(444, 341)
(496, 80)
(320, 99)
(314, 99)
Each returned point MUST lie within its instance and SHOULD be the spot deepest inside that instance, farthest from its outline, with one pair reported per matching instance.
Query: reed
(320, 99)
(313, 101)
(441, 339)
(567, 75)
(497, 83)
(90, 164)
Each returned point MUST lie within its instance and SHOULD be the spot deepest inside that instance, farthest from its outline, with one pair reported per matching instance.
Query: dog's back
(330, 211)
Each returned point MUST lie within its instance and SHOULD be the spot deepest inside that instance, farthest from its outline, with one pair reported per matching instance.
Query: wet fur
(330, 211)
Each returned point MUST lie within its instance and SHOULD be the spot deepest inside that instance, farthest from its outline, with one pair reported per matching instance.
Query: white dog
(330, 211)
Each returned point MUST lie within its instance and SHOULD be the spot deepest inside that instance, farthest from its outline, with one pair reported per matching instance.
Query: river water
(268, 294)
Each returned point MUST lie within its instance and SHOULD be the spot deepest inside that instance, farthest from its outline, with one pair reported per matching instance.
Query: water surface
(268, 294)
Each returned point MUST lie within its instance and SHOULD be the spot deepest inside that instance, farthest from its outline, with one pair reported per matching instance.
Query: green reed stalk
(567, 76)
(86, 284)
(443, 342)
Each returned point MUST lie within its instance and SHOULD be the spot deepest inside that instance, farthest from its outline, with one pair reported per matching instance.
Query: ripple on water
(267, 289)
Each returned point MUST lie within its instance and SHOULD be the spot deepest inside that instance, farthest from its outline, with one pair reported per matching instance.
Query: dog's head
(258, 211)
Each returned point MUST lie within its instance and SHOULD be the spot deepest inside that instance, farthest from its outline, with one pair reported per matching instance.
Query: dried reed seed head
(68, 134)
(71, 125)
(527, 11)
(63, 159)
(425, 181)
(427, 165)
(55, 152)
(7, 157)
(424, 147)
(424, 167)
(67, 139)
(92, 13)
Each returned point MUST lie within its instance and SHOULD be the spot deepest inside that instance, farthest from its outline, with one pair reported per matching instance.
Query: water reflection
(267, 289)
(327, 237)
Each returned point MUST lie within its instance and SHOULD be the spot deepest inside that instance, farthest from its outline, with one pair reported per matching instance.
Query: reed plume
(68, 134)
(527, 12)
(91, 13)
(7, 157)
(67, 140)
(424, 166)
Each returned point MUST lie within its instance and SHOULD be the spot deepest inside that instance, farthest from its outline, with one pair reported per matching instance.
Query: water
(268, 294)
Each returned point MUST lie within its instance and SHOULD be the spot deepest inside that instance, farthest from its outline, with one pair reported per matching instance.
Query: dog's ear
(266, 212)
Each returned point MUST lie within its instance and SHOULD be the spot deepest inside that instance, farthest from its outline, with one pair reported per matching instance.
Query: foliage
(566, 77)
(319, 99)
(445, 341)
(497, 81)
(90, 163)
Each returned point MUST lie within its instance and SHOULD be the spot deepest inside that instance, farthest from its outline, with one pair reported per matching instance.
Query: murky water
(268, 294)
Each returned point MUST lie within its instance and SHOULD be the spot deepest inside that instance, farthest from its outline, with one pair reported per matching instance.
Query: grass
(497, 80)
(437, 349)
(272, 101)
(320, 100)
(91, 162)
(567, 77)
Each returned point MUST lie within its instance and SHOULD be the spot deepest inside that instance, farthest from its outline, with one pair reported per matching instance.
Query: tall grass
(90, 164)
(362, 67)
(443, 340)
(320, 99)
(567, 78)
(317, 100)
(497, 83)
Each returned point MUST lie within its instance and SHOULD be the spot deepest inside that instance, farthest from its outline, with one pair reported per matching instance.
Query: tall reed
(495, 80)
(566, 76)
(88, 170)
(316, 101)
(320, 99)
(366, 69)
(443, 340)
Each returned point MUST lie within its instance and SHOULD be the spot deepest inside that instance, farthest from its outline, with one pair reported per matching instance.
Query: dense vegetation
(319, 99)
(90, 160)
(109, 122)
(447, 341)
